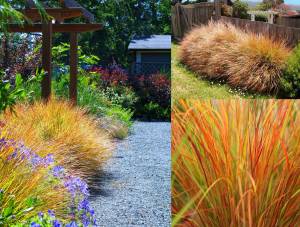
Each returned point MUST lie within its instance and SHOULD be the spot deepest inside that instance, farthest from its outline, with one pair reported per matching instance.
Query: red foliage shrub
(19, 56)
(155, 88)
(111, 76)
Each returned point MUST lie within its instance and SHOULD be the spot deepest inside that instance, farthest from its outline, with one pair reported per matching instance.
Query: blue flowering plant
(34, 191)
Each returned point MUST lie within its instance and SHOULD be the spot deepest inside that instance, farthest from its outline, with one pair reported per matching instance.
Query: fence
(184, 17)
(288, 22)
(274, 31)
(149, 68)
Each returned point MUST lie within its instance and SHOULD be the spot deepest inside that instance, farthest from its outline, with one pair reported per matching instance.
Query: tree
(122, 20)
(272, 3)
(240, 9)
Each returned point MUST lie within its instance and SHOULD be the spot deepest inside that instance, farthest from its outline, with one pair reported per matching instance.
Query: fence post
(46, 59)
(218, 9)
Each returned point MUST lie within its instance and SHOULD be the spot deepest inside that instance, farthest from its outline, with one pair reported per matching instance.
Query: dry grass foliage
(236, 163)
(73, 137)
(247, 61)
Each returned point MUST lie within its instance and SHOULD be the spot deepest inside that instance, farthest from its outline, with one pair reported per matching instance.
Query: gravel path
(135, 183)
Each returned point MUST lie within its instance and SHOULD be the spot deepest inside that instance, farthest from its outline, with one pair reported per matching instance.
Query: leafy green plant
(61, 52)
(156, 111)
(240, 9)
(120, 113)
(10, 94)
(290, 80)
(122, 96)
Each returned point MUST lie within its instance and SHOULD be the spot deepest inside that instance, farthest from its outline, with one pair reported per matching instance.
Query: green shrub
(263, 6)
(121, 95)
(240, 9)
(153, 111)
(290, 80)
(119, 113)
(13, 91)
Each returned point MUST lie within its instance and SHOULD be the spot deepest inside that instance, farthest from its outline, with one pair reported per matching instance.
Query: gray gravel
(134, 187)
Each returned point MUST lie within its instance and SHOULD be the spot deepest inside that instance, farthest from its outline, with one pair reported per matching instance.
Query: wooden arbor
(69, 9)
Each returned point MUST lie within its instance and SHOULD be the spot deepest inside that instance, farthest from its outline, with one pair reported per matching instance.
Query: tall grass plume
(244, 60)
(236, 163)
(75, 139)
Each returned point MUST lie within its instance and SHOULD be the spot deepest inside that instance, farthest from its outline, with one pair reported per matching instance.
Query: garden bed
(187, 84)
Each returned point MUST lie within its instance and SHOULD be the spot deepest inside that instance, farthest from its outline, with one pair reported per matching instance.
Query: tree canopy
(122, 20)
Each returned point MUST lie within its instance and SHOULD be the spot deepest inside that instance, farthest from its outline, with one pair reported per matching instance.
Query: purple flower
(94, 222)
(48, 160)
(41, 215)
(83, 205)
(56, 223)
(58, 171)
(85, 220)
(51, 213)
(76, 186)
(72, 224)
(33, 224)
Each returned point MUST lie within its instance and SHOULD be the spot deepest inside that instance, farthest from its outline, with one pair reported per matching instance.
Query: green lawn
(187, 85)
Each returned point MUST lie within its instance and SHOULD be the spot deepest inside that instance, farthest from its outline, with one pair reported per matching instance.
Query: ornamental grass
(77, 142)
(35, 191)
(244, 60)
(236, 163)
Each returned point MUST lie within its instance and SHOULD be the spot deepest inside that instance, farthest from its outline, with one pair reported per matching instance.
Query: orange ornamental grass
(75, 139)
(236, 163)
(244, 60)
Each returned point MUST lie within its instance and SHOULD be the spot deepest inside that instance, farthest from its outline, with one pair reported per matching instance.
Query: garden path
(135, 183)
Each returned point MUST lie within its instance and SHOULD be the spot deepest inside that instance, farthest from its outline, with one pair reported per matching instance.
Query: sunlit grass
(77, 141)
(236, 163)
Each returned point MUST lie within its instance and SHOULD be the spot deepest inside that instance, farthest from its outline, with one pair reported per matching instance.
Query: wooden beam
(55, 28)
(46, 59)
(57, 13)
(73, 67)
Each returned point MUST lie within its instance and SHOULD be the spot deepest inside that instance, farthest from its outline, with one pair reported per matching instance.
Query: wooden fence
(288, 22)
(184, 17)
(274, 31)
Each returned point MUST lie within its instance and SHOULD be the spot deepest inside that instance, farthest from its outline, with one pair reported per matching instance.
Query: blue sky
(296, 2)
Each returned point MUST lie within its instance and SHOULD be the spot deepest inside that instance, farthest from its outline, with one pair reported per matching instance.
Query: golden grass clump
(244, 60)
(236, 163)
(75, 139)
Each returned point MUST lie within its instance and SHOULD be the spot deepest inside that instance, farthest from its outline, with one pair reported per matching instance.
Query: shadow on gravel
(100, 180)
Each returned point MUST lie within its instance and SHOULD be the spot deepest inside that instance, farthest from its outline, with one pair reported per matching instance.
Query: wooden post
(73, 67)
(46, 59)
(218, 9)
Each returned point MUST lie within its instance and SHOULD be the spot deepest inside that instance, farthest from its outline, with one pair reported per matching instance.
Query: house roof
(153, 42)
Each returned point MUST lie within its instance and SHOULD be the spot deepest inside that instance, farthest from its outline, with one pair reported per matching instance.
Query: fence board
(288, 22)
(277, 32)
(185, 17)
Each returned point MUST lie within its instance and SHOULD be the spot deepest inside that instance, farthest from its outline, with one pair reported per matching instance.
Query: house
(150, 54)
(288, 16)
